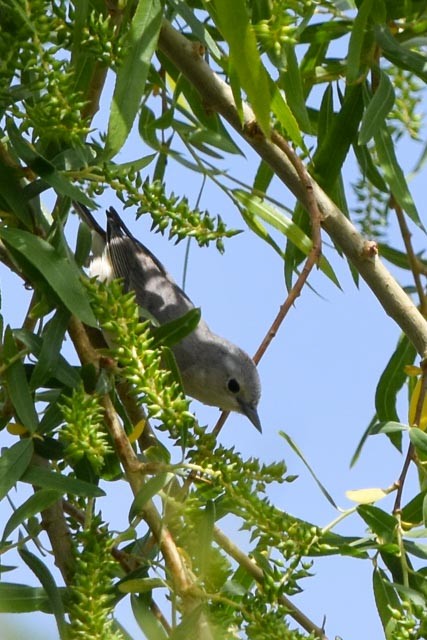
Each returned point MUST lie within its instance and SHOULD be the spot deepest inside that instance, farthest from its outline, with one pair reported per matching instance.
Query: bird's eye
(233, 386)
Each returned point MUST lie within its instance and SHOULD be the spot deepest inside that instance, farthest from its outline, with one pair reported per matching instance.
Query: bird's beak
(250, 412)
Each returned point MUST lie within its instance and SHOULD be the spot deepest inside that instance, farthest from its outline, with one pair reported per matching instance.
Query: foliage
(59, 419)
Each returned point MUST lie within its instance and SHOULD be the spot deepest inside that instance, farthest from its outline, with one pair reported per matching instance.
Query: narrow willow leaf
(294, 89)
(45, 169)
(285, 116)
(12, 195)
(35, 504)
(299, 453)
(380, 522)
(378, 108)
(48, 583)
(278, 220)
(53, 337)
(60, 274)
(396, 257)
(342, 133)
(412, 513)
(13, 463)
(357, 38)
(369, 168)
(139, 45)
(392, 380)
(46, 479)
(174, 331)
(263, 177)
(400, 55)
(394, 175)
(206, 527)
(63, 372)
(362, 441)
(386, 599)
(147, 621)
(140, 585)
(17, 384)
(324, 32)
(20, 598)
(418, 439)
(148, 491)
(233, 22)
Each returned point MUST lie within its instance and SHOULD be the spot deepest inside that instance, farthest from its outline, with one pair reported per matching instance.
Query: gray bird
(213, 370)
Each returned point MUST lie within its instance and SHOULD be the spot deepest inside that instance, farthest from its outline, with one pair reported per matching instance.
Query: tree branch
(257, 573)
(217, 95)
(175, 562)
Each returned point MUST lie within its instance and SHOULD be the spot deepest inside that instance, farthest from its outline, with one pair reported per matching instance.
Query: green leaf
(172, 332)
(43, 168)
(396, 257)
(392, 380)
(13, 463)
(53, 337)
(63, 372)
(35, 504)
(60, 274)
(418, 439)
(263, 177)
(12, 193)
(294, 89)
(369, 168)
(40, 477)
(324, 32)
(148, 622)
(205, 529)
(19, 598)
(378, 108)
(394, 175)
(260, 209)
(140, 585)
(17, 385)
(299, 453)
(49, 585)
(149, 489)
(381, 523)
(342, 133)
(285, 116)
(400, 55)
(413, 512)
(139, 47)
(386, 599)
(233, 21)
(357, 39)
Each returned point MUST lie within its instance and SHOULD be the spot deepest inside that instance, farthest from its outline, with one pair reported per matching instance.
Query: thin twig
(311, 261)
(412, 258)
(257, 573)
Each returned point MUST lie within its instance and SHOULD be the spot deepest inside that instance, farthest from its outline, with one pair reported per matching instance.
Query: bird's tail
(88, 218)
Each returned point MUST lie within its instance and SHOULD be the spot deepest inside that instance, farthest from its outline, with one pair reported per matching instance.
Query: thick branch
(217, 95)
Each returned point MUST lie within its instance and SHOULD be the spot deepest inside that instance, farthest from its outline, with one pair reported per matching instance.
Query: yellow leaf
(412, 370)
(17, 429)
(366, 496)
(413, 407)
(137, 430)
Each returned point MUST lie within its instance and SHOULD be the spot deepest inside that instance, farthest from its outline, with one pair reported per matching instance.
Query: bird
(213, 370)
